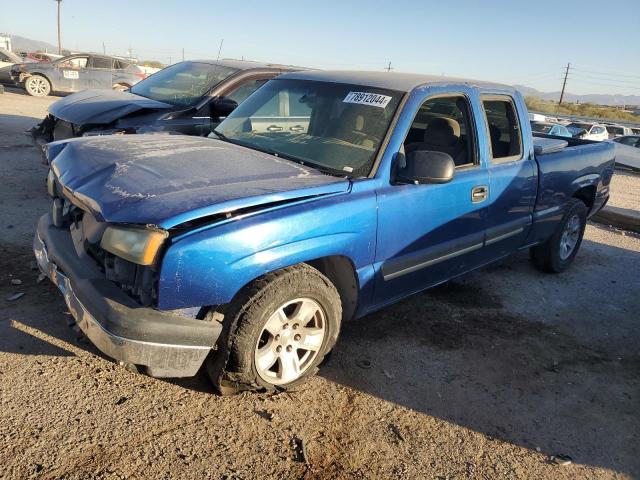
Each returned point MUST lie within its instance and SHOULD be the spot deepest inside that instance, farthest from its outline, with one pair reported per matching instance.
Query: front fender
(209, 267)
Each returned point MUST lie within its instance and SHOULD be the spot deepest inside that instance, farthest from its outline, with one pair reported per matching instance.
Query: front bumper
(167, 345)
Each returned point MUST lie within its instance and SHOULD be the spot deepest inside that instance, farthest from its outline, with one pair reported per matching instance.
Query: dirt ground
(491, 376)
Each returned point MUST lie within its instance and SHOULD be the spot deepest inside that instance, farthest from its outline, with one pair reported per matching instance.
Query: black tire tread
(545, 256)
(227, 370)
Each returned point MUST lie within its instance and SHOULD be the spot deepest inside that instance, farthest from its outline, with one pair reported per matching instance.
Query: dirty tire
(232, 367)
(547, 257)
(37, 86)
(120, 87)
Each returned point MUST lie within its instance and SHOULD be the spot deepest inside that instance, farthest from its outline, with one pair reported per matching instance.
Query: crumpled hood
(101, 106)
(167, 180)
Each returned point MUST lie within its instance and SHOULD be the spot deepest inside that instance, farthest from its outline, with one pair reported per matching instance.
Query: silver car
(76, 72)
(628, 151)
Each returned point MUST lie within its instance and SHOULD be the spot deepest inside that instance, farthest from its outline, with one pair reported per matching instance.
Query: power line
(633, 82)
(608, 73)
(604, 84)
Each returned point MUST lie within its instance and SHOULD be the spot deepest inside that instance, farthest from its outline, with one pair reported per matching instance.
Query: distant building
(5, 41)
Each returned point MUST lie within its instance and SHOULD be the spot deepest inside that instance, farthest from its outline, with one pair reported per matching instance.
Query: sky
(515, 42)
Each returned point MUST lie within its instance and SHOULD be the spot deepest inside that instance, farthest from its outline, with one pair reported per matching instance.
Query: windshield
(540, 127)
(11, 57)
(335, 127)
(183, 83)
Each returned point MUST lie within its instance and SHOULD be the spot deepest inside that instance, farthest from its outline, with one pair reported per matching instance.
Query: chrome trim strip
(433, 261)
(503, 236)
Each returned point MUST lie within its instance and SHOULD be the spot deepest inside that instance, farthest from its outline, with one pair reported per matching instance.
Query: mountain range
(23, 44)
(600, 99)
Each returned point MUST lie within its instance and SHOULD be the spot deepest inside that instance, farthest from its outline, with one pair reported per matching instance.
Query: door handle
(296, 128)
(479, 193)
(274, 128)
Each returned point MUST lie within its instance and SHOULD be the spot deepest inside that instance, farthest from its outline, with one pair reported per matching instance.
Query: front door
(72, 74)
(429, 233)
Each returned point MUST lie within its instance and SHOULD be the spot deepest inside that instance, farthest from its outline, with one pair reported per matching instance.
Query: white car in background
(590, 131)
(617, 130)
(7, 59)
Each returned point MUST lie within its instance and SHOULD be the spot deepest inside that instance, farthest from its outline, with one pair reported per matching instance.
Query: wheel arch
(587, 195)
(341, 272)
(38, 73)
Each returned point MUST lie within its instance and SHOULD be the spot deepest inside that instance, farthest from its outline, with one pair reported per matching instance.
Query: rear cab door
(99, 73)
(512, 172)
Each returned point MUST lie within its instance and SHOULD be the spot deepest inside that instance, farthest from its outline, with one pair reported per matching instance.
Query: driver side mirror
(221, 107)
(426, 166)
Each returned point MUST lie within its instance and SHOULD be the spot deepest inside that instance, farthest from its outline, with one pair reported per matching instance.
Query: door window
(631, 141)
(102, 63)
(504, 128)
(243, 91)
(76, 63)
(443, 124)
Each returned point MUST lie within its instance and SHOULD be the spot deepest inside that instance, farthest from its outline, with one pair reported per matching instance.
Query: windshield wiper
(306, 163)
(221, 136)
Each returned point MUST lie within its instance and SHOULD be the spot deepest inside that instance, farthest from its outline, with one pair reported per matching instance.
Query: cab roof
(394, 81)
(248, 64)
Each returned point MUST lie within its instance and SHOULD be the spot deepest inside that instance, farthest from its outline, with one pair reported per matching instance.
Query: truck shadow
(455, 353)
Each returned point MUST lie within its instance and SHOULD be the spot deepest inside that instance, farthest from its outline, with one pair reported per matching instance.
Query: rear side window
(101, 62)
(241, 93)
(504, 128)
(628, 141)
(121, 65)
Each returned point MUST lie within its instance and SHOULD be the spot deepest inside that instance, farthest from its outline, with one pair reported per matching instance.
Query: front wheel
(558, 252)
(276, 332)
(37, 86)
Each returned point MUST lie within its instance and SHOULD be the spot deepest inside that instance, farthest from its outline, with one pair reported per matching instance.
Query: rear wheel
(276, 332)
(120, 87)
(558, 252)
(37, 86)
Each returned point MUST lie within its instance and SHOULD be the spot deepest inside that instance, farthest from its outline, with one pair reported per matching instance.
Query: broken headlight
(138, 245)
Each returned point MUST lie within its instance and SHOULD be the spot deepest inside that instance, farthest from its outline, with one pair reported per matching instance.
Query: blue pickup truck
(321, 198)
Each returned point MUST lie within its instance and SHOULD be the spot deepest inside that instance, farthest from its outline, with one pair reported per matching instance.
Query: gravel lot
(487, 377)
(625, 190)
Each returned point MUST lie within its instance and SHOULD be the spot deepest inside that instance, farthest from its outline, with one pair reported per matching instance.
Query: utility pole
(183, 54)
(104, 49)
(389, 67)
(220, 51)
(59, 37)
(564, 83)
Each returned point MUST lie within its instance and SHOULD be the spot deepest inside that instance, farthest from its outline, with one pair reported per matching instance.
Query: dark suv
(189, 98)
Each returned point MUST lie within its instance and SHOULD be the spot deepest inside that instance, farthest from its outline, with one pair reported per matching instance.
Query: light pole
(59, 41)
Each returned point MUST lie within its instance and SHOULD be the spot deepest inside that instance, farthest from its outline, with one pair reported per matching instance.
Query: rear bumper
(168, 345)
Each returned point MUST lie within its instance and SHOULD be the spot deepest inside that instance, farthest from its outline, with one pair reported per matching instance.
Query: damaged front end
(113, 299)
(53, 129)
